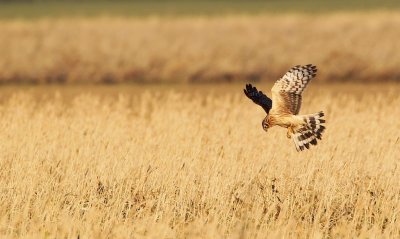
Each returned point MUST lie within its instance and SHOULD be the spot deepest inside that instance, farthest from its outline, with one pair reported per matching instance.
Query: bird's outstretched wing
(258, 97)
(286, 92)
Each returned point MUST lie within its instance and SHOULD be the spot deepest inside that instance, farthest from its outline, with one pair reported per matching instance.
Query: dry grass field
(345, 47)
(194, 162)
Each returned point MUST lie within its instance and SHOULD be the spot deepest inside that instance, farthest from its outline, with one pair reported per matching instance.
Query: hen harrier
(285, 105)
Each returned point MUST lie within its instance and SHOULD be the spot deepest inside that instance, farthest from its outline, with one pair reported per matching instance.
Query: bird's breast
(280, 120)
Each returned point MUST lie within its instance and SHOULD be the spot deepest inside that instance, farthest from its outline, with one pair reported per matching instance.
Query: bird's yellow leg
(290, 132)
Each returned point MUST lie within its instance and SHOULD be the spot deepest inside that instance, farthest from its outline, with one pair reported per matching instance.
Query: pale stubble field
(194, 162)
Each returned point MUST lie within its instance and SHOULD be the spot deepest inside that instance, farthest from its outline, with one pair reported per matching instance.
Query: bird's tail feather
(310, 132)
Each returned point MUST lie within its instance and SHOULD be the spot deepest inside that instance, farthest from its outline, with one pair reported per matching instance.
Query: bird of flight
(285, 105)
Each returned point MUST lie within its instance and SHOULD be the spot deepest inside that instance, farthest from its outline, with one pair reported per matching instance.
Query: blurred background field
(127, 119)
(345, 47)
(196, 41)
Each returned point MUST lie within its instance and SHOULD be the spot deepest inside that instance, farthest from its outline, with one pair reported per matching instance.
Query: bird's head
(265, 124)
